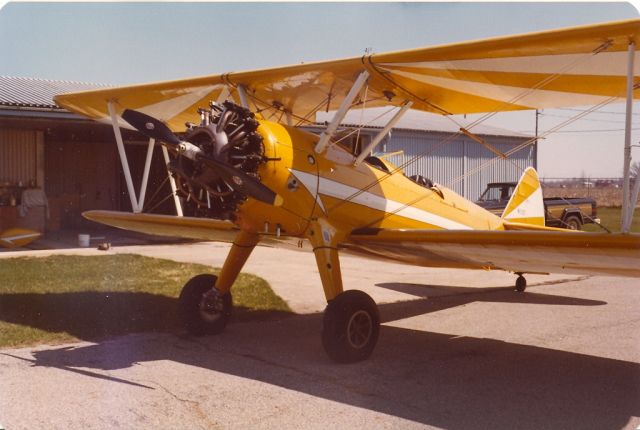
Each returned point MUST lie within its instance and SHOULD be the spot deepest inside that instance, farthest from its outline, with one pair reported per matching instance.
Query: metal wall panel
(433, 155)
(18, 161)
(483, 166)
(458, 162)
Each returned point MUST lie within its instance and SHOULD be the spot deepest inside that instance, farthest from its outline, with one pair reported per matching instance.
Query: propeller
(237, 179)
(150, 127)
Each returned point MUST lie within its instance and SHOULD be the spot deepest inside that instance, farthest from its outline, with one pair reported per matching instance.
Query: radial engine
(228, 133)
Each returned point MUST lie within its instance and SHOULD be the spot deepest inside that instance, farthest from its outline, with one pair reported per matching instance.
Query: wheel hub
(212, 305)
(359, 329)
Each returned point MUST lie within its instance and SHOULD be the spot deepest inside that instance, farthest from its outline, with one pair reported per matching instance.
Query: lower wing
(167, 225)
(184, 227)
(514, 251)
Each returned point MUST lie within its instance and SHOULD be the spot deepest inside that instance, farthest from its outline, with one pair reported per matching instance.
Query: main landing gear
(205, 300)
(351, 321)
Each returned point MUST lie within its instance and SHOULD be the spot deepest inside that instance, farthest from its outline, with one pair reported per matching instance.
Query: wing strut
(376, 140)
(628, 204)
(341, 112)
(137, 203)
(123, 158)
(242, 93)
(145, 173)
(172, 182)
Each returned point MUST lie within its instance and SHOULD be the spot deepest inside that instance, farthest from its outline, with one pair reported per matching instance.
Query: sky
(126, 43)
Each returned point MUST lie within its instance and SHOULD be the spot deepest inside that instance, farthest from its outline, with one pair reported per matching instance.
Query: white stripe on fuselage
(339, 190)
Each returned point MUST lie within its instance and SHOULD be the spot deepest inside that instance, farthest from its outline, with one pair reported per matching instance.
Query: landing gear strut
(351, 321)
(205, 300)
(350, 327)
(521, 283)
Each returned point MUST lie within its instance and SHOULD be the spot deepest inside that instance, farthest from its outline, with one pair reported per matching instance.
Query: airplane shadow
(437, 379)
(434, 298)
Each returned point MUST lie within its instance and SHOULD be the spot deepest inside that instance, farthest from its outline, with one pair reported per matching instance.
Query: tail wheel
(350, 327)
(204, 310)
(521, 283)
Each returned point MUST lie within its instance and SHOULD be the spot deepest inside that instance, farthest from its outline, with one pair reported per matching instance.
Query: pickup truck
(570, 213)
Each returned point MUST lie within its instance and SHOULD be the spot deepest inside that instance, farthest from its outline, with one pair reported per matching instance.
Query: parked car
(565, 212)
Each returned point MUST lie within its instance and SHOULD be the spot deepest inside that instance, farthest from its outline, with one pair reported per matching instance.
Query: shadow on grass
(95, 315)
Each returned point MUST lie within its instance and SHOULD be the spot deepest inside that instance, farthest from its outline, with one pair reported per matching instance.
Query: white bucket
(83, 240)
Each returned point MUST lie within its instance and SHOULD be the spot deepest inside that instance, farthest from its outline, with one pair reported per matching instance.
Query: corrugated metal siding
(18, 156)
(32, 92)
(484, 168)
(445, 160)
(434, 159)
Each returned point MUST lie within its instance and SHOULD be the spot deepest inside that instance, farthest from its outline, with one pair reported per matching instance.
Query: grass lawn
(63, 298)
(610, 218)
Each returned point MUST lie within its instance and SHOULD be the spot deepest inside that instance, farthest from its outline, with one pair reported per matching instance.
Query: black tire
(573, 222)
(199, 316)
(350, 327)
(521, 284)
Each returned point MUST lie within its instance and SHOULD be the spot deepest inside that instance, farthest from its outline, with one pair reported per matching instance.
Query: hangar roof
(37, 93)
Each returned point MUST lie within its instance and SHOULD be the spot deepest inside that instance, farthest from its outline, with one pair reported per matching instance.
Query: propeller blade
(150, 127)
(243, 183)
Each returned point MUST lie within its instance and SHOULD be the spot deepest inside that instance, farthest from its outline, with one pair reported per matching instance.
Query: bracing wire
(497, 158)
(548, 79)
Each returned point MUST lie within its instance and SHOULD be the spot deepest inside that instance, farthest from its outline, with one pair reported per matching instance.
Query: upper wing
(515, 251)
(577, 66)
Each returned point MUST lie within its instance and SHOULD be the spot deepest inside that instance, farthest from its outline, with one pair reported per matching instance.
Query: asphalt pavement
(457, 350)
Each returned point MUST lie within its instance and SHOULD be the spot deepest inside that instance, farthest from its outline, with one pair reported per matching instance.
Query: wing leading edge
(205, 229)
(167, 225)
(514, 251)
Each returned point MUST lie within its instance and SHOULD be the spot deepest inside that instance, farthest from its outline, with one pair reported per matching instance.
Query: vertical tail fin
(526, 205)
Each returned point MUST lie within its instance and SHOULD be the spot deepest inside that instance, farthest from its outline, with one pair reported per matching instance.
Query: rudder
(526, 204)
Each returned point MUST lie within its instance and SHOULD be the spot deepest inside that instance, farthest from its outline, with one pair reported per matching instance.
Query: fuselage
(328, 186)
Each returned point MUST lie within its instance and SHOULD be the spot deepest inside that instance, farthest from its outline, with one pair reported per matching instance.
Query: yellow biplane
(242, 172)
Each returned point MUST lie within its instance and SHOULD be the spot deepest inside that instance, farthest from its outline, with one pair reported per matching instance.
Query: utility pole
(535, 152)
(627, 205)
